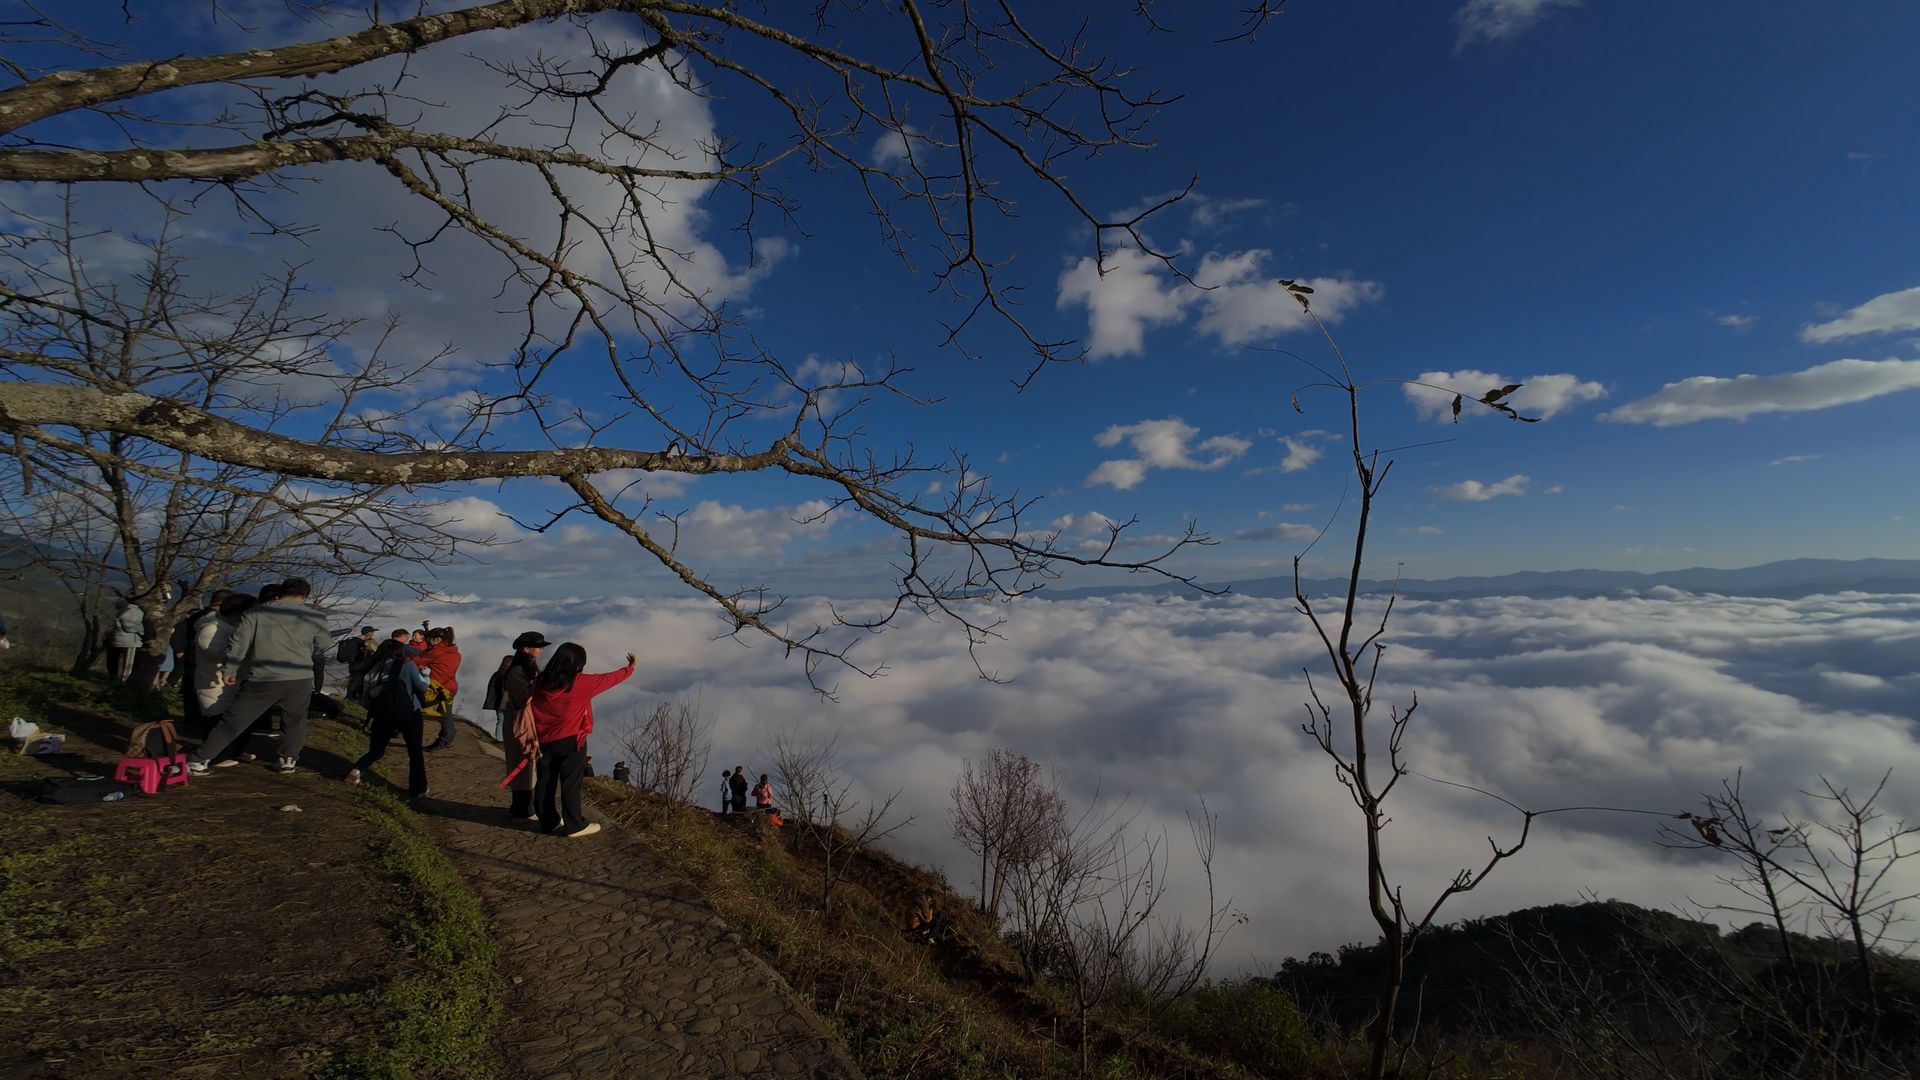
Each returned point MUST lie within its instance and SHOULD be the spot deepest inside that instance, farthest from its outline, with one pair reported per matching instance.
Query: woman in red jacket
(441, 662)
(563, 718)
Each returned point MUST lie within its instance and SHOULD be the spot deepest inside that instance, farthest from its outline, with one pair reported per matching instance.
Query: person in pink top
(563, 718)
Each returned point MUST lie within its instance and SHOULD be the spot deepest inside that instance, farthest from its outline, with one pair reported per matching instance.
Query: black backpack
(349, 650)
(388, 695)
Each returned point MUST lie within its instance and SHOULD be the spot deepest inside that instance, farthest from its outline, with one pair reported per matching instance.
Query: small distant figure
(763, 794)
(726, 791)
(925, 922)
(738, 786)
(622, 774)
(589, 771)
(123, 640)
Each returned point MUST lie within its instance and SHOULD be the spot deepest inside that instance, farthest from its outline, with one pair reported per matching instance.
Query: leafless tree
(981, 109)
(1835, 875)
(1005, 813)
(1086, 913)
(667, 750)
(824, 813)
(1354, 653)
(159, 522)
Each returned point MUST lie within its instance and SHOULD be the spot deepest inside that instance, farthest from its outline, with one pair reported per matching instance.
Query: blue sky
(1597, 199)
(1628, 194)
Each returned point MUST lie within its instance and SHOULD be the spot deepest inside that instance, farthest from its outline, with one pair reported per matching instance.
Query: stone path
(618, 967)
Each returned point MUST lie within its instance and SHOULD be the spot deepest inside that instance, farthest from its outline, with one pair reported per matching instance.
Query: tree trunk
(1392, 946)
(87, 653)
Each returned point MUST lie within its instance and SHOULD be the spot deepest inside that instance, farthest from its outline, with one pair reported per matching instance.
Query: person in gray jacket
(129, 629)
(271, 655)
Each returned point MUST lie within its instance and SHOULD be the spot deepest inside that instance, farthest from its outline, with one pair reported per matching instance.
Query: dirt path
(618, 967)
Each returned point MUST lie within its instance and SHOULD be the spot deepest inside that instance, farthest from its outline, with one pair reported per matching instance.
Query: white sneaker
(352, 777)
(197, 768)
(588, 829)
(226, 763)
(286, 765)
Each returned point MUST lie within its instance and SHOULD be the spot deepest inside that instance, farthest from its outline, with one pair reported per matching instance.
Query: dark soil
(202, 932)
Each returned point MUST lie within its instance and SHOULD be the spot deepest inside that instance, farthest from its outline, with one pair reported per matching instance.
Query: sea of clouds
(1638, 702)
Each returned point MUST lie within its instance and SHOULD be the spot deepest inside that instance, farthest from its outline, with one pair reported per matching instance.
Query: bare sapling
(826, 815)
(667, 749)
(1087, 914)
(1837, 874)
(1354, 654)
(1004, 813)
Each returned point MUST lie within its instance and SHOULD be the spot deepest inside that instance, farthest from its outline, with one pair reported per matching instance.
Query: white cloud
(1296, 507)
(1279, 530)
(1300, 454)
(1500, 20)
(1209, 211)
(1882, 314)
(1161, 444)
(1425, 530)
(1134, 294)
(1236, 297)
(1641, 702)
(1736, 322)
(1791, 459)
(1122, 475)
(1243, 303)
(1475, 491)
(1539, 395)
(1709, 397)
(890, 148)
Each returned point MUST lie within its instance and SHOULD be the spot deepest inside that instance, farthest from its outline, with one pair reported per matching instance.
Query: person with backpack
(562, 707)
(272, 653)
(394, 690)
(738, 786)
(441, 661)
(507, 694)
(357, 654)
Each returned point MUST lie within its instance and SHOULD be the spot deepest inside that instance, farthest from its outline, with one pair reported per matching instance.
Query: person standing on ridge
(129, 626)
(516, 678)
(726, 791)
(272, 652)
(563, 718)
(738, 786)
(441, 662)
(763, 794)
(394, 688)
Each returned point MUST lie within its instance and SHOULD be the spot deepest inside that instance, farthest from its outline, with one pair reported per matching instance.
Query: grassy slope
(405, 986)
(905, 1009)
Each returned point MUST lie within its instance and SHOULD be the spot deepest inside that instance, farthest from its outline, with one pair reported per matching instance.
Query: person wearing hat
(507, 695)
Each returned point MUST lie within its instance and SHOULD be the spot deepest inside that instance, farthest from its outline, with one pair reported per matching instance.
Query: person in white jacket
(211, 636)
(123, 640)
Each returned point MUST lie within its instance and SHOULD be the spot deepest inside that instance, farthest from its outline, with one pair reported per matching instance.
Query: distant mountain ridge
(1786, 579)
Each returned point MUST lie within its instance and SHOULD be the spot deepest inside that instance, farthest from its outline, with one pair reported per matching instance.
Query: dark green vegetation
(1612, 989)
(208, 932)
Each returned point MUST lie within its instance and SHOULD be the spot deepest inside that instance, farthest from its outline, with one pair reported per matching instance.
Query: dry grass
(904, 1008)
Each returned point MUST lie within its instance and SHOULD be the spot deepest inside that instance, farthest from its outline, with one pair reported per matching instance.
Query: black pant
(563, 764)
(190, 714)
(410, 729)
(252, 703)
(445, 737)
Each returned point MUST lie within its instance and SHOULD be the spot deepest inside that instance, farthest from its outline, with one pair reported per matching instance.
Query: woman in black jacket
(511, 688)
